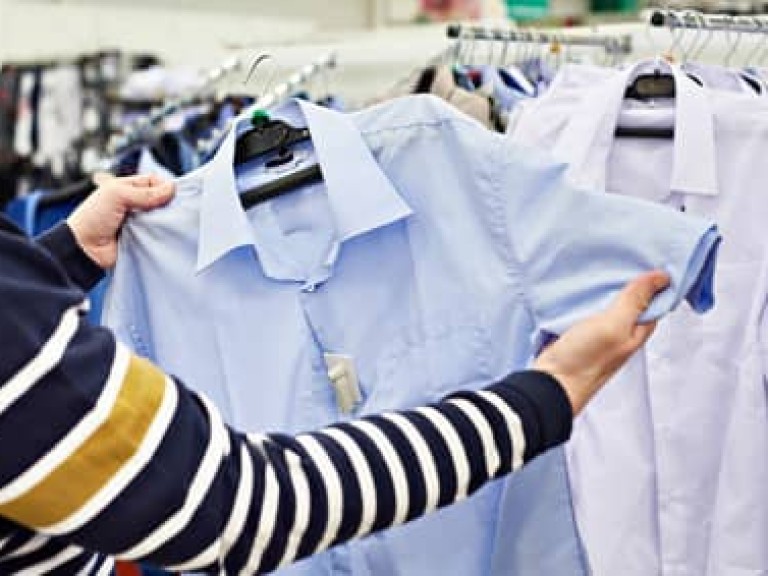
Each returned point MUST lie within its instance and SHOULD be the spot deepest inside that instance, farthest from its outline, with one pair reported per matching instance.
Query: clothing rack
(136, 132)
(295, 81)
(615, 45)
(276, 95)
(693, 20)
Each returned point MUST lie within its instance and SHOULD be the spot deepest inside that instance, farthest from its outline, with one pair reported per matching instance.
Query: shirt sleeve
(574, 250)
(104, 452)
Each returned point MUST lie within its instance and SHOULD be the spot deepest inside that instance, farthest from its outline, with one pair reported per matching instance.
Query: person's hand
(585, 357)
(97, 221)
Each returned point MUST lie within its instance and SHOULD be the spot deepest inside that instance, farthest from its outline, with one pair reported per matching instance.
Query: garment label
(343, 377)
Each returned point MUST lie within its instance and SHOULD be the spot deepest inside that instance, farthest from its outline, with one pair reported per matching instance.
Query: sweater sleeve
(61, 243)
(125, 445)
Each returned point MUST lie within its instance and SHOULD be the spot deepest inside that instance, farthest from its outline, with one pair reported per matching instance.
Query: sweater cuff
(543, 407)
(61, 244)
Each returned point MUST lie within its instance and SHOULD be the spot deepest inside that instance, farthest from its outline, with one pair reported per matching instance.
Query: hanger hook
(750, 57)
(505, 50)
(702, 32)
(764, 50)
(492, 46)
(686, 47)
(677, 30)
(734, 44)
(257, 61)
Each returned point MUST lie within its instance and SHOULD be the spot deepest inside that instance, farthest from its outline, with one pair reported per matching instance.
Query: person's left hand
(97, 221)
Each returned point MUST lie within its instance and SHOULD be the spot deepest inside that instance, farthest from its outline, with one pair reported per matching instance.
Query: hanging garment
(435, 256)
(721, 78)
(669, 467)
(9, 93)
(60, 118)
(478, 106)
(23, 142)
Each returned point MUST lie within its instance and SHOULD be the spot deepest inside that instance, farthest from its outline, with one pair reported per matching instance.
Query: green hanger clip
(259, 117)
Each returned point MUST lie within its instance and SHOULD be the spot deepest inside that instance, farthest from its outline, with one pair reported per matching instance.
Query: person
(105, 456)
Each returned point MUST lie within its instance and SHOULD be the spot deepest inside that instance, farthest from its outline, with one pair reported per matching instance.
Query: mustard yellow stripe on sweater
(72, 484)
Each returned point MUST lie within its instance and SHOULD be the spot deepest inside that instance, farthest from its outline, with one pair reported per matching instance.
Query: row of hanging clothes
(357, 263)
(667, 472)
(487, 72)
(54, 115)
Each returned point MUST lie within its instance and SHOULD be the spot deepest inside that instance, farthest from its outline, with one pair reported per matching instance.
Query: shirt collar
(586, 142)
(360, 195)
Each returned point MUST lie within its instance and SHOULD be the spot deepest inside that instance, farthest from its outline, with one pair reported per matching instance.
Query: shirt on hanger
(668, 466)
(435, 256)
(721, 78)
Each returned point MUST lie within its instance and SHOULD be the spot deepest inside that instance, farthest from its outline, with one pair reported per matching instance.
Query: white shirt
(669, 466)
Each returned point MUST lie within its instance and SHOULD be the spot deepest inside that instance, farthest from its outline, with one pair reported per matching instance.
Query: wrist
(575, 392)
(87, 243)
(61, 243)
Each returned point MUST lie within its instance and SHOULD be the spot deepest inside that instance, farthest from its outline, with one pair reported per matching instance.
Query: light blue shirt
(436, 254)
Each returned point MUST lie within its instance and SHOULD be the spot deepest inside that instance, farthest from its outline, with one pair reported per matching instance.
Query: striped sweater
(105, 456)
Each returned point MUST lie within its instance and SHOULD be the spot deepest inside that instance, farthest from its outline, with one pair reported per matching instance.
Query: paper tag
(343, 377)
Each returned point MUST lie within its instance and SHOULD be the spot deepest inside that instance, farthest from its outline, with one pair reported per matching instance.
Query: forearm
(209, 496)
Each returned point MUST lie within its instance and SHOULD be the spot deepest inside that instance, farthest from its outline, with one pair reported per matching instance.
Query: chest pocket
(441, 351)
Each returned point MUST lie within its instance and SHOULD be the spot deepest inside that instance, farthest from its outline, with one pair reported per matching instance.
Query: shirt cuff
(698, 284)
(543, 407)
(61, 244)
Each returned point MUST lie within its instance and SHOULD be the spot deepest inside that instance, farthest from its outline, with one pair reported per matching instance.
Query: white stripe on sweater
(303, 504)
(219, 549)
(218, 446)
(424, 456)
(32, 545)
(514, 425)
(332, 487)
(76, 436)
(364, 477)
(492, 458)
(69, 553)
(270, 501)
(455, 448)
(112, 489)
(394, 466)
(47, 358)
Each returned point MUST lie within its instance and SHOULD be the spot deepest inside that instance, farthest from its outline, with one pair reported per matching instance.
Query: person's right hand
(585, 357)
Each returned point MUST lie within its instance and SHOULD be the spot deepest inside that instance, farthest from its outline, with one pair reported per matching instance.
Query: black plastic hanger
(649, 87)
(267, 136)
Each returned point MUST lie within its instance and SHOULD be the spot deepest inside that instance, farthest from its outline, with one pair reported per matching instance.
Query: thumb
(101, 178)
(636, 297)
(146, 197)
